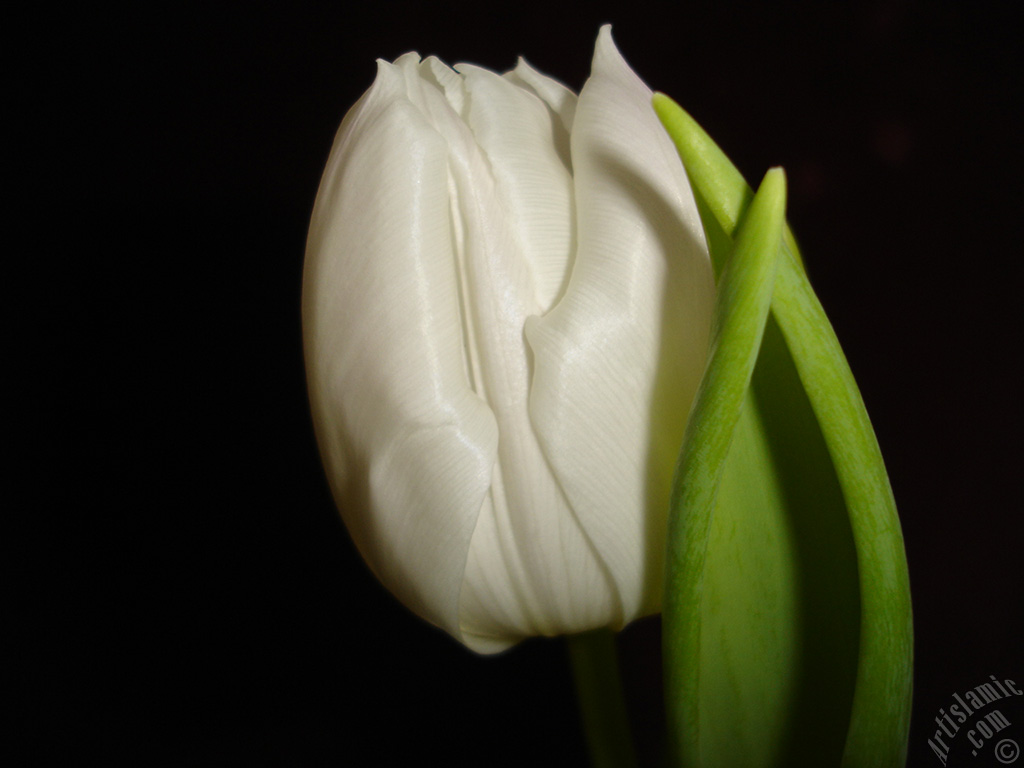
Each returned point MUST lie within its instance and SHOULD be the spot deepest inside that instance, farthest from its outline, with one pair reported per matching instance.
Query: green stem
(595, 667)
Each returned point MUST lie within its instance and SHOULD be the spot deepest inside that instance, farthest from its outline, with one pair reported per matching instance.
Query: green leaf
(787, 620)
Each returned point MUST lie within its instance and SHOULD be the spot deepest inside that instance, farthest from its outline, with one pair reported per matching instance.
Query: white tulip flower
(507, 302)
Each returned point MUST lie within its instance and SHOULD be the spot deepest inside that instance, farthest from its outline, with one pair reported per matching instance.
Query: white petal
(531, 569)
(559, 99)
(618, 359)
(407, 445)
(514, 129)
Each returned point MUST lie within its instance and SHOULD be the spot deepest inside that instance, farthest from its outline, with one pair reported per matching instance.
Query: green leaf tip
(787, 620)
(725, 193)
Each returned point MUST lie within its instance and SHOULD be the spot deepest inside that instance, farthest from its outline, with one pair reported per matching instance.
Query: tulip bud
(506, 307)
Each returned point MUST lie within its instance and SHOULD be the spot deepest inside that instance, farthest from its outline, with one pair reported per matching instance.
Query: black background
(186, 593)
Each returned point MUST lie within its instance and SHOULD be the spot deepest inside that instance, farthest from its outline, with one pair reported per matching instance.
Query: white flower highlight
(506, 307)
